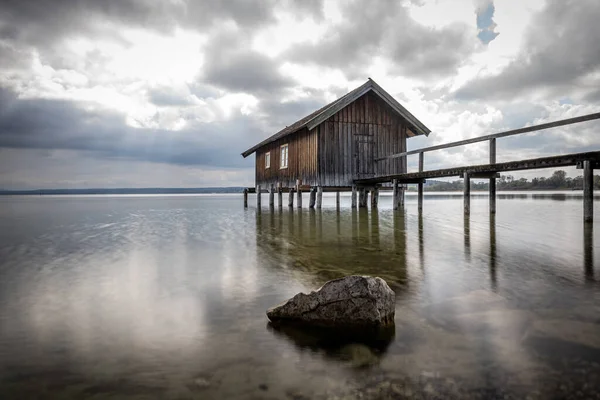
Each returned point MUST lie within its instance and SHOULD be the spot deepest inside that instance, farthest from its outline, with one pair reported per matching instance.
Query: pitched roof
(322, 114)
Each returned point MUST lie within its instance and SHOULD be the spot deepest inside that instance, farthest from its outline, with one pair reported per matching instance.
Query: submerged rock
(352, 301)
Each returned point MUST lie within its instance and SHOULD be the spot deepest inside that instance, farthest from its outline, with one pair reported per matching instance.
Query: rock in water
(352, 301)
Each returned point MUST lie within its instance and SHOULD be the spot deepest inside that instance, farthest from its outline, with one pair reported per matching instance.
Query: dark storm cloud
(55, 124)
(386, 29)
(244, 71)
(561, 55)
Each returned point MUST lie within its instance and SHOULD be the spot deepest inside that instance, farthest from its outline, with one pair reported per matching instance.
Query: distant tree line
(558, 181)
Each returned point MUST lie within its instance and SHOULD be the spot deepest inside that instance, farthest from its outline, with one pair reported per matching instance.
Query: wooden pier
(588, 161)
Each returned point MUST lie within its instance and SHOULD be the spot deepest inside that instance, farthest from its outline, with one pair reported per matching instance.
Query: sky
(168, 93)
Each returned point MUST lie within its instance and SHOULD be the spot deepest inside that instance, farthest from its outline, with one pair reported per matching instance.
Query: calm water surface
(165, 297)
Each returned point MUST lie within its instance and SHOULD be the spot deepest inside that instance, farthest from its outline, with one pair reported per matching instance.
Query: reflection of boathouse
(338, 144)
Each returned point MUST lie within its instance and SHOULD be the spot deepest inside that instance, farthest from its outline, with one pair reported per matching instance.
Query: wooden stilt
(312, 197)
(299, 193)
(354, 196)
(374, 197)
(319, 196)
(588, 191)
(272, 196)
(420, 195)
(397, 196)
(467, 192)
(245, 198)
(402, 194)
(492, 184)
(492, 195)
(362, 197)
(291, 198)
(258, 196)
(337, 199)
(279, 195)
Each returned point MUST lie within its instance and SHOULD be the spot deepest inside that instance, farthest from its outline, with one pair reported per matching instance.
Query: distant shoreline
(41, 192)
(230, 190)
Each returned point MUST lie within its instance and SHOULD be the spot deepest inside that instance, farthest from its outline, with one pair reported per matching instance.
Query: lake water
(147, 297)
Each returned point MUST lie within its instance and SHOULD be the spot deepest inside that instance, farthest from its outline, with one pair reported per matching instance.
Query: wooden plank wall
(344, 138)
(302, 161)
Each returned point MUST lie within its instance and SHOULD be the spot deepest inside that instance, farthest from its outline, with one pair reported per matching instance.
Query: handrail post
(421, 156)
(492, 180)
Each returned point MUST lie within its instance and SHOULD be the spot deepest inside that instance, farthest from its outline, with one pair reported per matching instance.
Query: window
(284, 156)
(268, 160)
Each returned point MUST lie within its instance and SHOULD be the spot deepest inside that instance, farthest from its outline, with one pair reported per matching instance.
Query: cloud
(560, 57)
(385, 29)
(244, 71)
(59, 124)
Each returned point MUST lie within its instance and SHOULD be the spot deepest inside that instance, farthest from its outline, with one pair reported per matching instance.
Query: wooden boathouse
(337, 145)
(358, 143)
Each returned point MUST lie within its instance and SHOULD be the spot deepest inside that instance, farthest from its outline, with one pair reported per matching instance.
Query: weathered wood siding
(302, 161)
(351, 140)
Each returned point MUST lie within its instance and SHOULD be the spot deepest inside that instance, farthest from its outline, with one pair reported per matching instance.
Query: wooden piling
(258, 196)
(397, 200)
(588, 191)
(492, 184)
(291, 198)
(337, 199)
(279, 195)
(467, 192)
(354, 190)
(420, 195)
(319, 196)
(312, 197)
(299, 193)
(272, 196)
(374, 197)
(246, 198)
(362, 197)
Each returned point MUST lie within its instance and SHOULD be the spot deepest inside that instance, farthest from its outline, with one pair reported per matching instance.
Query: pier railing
(588, 161)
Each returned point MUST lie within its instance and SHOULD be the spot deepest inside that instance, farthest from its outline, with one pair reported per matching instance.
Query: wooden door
(364, 153)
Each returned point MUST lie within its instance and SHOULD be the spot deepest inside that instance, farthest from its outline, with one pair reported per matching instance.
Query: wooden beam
(535, 163)
(569, 121)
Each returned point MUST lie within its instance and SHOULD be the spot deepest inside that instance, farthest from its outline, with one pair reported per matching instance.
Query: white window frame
(267, 160)
(284, 156)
